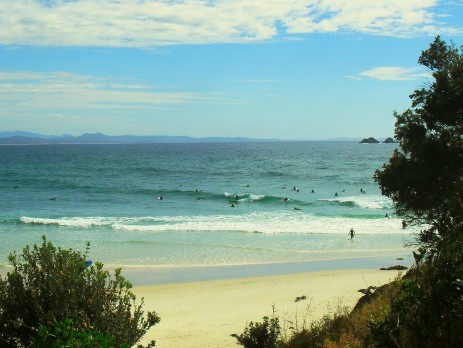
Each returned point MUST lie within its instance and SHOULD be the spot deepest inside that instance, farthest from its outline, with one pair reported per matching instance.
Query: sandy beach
(206, 313)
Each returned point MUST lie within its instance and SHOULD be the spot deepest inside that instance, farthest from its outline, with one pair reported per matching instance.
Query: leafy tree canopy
(424, 177)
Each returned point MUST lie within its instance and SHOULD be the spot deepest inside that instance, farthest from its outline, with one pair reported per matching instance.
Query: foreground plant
(50, 285)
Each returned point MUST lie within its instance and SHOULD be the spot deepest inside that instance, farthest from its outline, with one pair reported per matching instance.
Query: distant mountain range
(21, 138)
(100, 138)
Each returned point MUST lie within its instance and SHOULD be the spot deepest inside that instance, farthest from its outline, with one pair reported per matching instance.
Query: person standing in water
(351, 233)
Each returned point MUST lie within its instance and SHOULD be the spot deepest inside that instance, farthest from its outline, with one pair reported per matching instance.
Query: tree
(50, 285)
(424, 177)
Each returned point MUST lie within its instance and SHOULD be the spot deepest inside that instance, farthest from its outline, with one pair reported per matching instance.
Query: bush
(50, 285)
(64, 334)
(260, 335)
(428, 311)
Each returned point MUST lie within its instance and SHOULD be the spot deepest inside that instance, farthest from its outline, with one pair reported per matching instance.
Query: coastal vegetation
(53, 298)
(424, 178)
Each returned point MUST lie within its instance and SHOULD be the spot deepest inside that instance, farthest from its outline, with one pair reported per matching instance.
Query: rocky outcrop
(389, 141)
(369, 140)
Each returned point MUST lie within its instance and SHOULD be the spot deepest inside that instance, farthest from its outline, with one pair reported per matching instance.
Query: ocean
(227, 209)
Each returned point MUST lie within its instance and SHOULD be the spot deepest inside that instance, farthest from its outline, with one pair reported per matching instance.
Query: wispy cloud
(25, 91)
(392, 73)
(152, 23)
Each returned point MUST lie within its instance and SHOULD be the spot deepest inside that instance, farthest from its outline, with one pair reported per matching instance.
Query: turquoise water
(223, 203)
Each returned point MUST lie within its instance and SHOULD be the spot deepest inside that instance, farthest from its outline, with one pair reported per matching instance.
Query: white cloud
(393, 73)
(151, 23)
(25, 91)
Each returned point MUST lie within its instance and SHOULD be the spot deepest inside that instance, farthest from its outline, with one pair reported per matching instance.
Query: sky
(284, 69)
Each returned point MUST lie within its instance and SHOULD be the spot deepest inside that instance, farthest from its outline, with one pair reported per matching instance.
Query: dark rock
(394, 268)
(369, 296)
(369, 140)
(389, 141)
(368, 291)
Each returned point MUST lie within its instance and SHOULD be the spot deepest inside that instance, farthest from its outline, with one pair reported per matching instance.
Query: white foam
(84, 222)
(275, 222)
(365, 201)
(256, 197)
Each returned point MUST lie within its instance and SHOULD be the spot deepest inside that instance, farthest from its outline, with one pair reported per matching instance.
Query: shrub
(64, 334)
(49, 285)
(428, 311)
(260, 335)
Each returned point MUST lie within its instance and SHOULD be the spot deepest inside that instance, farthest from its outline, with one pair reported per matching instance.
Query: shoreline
(205, 313)
(146, 275)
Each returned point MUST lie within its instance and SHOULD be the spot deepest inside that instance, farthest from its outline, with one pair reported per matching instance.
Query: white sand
(205, 314)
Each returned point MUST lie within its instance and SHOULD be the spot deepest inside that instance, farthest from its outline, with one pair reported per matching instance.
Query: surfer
(232, 205)
(313, 191)
(160, 198)
(387, 216)
(285, 199)
(336, 194)
(351, 233)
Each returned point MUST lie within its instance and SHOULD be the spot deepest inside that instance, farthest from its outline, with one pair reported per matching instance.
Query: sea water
(223, 204)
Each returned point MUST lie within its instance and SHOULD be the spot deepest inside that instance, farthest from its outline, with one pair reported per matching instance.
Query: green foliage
(49, 285)
(428, 311)
(425, 177)
(329, 327)
(64, 334)
(425, 180)
(263, 334)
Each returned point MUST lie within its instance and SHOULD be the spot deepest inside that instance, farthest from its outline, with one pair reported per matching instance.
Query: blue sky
(299, 69)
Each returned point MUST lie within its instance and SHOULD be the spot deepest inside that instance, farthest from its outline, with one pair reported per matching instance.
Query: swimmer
(336, 194)
(351, 233)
